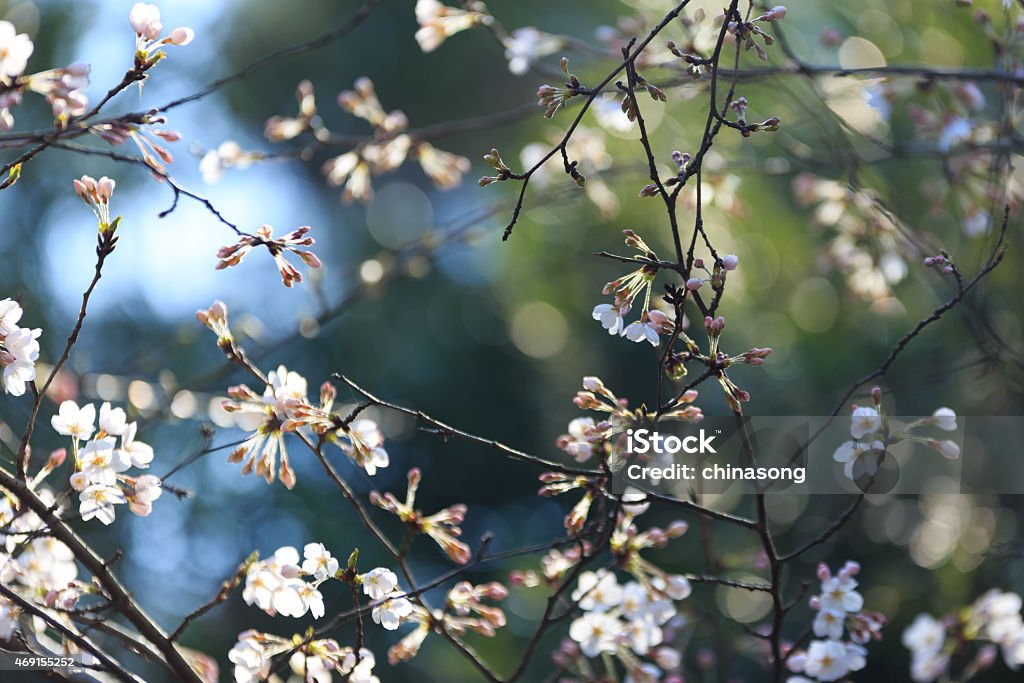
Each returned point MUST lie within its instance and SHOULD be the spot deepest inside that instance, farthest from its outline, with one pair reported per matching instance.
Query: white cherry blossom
(113, 421)
(318, 561)
(865, 421)
(15, 49)
(379, 583)
(70, 420)
(390, 612)
(597, 591)
(596, 632)
(98, 500)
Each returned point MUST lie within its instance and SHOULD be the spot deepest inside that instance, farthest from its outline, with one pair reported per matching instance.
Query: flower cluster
(439, 21)
(873, 434)
(625, 290)
(284, 407)
(145, 136)
(606, 437)
(629, 620)
(388, 148)
(19, 349)
(233, 254)
(36, 562)
(963, 644)
(63, 88)
(553, 98)
(265, 415)
(101, 461)
(276, 585)
(746, 31)
(96, 194)
(312, 660)
(840, 611)
(443, 527)
(145, 20)
(464, 611)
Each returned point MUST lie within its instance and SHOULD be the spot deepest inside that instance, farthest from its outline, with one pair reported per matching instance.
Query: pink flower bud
(182, 35)
(694, 283)
(730, 261)
(774, 14)
(677, 528)
(57, 458)
(849, 569)
(105, 188)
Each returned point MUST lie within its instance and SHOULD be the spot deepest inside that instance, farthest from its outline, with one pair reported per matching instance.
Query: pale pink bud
(145, 19)
(849, 569)
(986, 657)
(78, 69)
(694, 283)
(677, 528)
(105, 188)
(730, 261)
(774, 14)
(182, 35)
(57, 458)
(948, 449)
(667, 658)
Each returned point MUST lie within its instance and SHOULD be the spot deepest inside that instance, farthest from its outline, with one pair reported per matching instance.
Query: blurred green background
(494, 337)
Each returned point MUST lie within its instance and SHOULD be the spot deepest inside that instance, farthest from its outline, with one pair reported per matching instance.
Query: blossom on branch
(442, 527)
(19, 349)
(438, 21)
(233, 254)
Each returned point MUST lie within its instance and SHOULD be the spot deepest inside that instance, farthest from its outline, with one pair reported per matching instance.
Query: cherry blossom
(391, 610)
(379, 583)
(113, 421)
(96, 194)
(865, 421)
(145, 21)
(830, 660)
(318, 561)
(15, 49)
(78, 423)
(144, 490)
(233, 254)
(98, 500)
(439, 22)
(596, 632)
(443, 527)
(19, 349)
(597, 591)
(363, 442)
